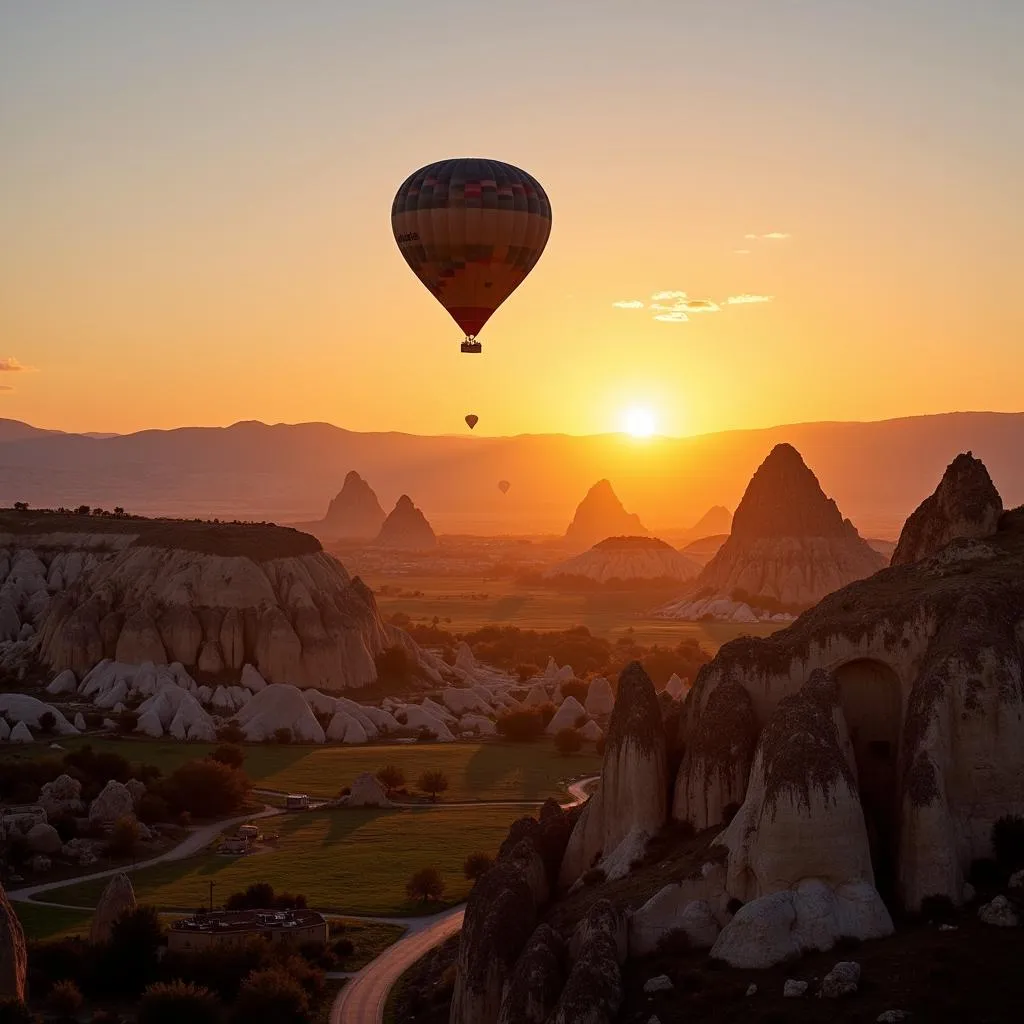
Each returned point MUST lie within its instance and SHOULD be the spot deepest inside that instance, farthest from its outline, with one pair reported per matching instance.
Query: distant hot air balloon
(503, 486)
(472, 419)
(471, 230)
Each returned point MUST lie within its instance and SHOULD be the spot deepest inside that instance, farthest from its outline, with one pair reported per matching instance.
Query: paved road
(362, 1000)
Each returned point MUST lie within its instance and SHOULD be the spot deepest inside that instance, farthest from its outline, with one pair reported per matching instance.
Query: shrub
(575, 688)
(231, 732)
(230, 754)
(521, 726)
(391, 777)
(206, 789)
(283, 735)
(132, 955)
(526, 671)
(177, 1001)
(477, 864)
(47, 723)
(734, 905)
(123, 837)
(259, 895)
(153, 808)
(127, 720)
(546, 712)
(64, 1000)
(66, 825)
(394, 667)
(425, 884)
(343, 947)
(1008, 842)
(938, 907)
(568, 741)
(593, 876)
(271, 996)
(220, 969)
(432, 782)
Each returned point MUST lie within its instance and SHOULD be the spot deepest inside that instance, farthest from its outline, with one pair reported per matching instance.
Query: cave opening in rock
(869, 693)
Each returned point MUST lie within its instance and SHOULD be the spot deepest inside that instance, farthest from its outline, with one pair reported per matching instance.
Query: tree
(394, 667)
(568, 741)
(231, 732)
(433, 782)
(391, 777)
(271, 996)
(82, 510)
(21, 506)
(425, 884)
(521, 726)
(177, 1001)
(283, 735)
(230, 754)
(119, 511)
(64, 1000)
(123, 837)
(133, 953)
(258, 896)
(477, 864)
(47, 722)
(206, 789)
(126, 721)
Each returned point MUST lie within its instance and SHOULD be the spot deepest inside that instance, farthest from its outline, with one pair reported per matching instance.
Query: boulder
(463, 702)
(591, 732)
(630, 802)
(367, 791)
(137, 789)
(20, 734)
(343, 728)
(61, 796)
(478, 725)
(63, 682)
(794, 989)
(43, 838)
(999, 912)
(842, 980)
(965, 505)
(676, 688)
(20, 707)
(13, 953)
(600, 699)
(80, 723)
(5, 731)
(417, 718)
(672, 909)
(117, 900)
(659, 983)
(252, 680)
(279, 706)
(566, 717)
(113, 802)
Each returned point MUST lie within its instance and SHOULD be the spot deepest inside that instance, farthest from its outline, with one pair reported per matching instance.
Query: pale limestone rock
(591, 732)
(210, 659)
(438, 711)
(43, 838)
(416, 717)
(181, 634)
(367, 791)
(114, 801)
(63, 682)
(279, 706)
(320, 703)
(677, 688)
(140, 641)
(794, 989)
(26, 710)
(252, 680)
(842, 980)
(80, 723)
(5, 731)
(566, 717)
(462, 702)
(232, 639)
(600, 699)
(478, 725)
(343, 728)
(627, 558)
(659, 983)
(670, 910)
(536, 696)
(149, 724)
(20, 734)
(117, 900)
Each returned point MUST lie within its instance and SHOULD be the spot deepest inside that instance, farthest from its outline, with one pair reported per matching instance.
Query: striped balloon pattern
(471, 230)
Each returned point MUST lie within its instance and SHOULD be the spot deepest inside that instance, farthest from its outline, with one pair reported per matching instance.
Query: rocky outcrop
(117, 900)
(406, 529)
(279, 707)
(61, 796)
(600, 700)
(354, 513)
(715, 522)
(367, 791)
(113, 802)
(43, 838)
(536, 981)
(630, 803)
(626, 559)
(599, 515)
(789, 545)
(13, 953)
(965, 505)
(593, 992)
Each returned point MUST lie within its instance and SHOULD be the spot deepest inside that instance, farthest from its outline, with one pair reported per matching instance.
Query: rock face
(599, 515)
(13, 953)
(593, 991)
(406, 529)
(789, 543)
(355, 512)
(627, 558)
(630, 803)
(536, 980)
(211, 600)
(966, 505)
(927, 663)
(118, 899)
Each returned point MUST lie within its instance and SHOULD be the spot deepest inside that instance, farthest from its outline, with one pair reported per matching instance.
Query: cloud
(6, 387)
(11, 365)
(628, 304)
(747, 299)
(701, 306)
(771, 236)
(672, 316)
(742, 252)
(663, 296)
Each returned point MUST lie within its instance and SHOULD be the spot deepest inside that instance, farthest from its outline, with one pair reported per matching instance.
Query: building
(236, 927)
(296, 802)
(20, 818)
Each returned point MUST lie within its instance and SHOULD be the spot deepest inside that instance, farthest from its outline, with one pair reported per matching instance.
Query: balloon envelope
(472, 420)
(471, 230)
(503, 486)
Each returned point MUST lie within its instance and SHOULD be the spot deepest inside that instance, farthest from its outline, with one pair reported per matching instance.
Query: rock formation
(354, 513)
(593, 991)
(788, 548)
(113, 802)
(280, 707)
(627, 559)
(716, 521)
(536, 981)
(600, 700)
(367, 791)
(13, 953)
(965, 504)
(117, 900)
(210, 597)
(599, 515)
(60, 797)
(630, 803)
(406, 529)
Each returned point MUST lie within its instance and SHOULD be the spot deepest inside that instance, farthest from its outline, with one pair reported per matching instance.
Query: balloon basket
(471, 345)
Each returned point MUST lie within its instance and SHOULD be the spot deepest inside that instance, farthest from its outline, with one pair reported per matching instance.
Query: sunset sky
(195, 202)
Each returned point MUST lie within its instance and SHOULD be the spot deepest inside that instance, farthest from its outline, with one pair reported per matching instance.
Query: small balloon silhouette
(472, 419)
(503, 486)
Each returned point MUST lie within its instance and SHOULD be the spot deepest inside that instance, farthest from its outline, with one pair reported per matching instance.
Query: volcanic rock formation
(789, 547)
(627, 558)
(406, 529)
(717, 520)
(354, 512)
(599, 515)
(117, 900)
(965, 504)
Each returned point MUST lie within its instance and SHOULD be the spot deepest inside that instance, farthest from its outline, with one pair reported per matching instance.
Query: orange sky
(194, 205)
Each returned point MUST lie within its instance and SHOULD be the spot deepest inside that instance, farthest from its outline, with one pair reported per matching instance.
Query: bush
(133, 953)
(432, 782)
(425, 884)
(220, 969)
(1008, 843)
(521, 726)
(391, 777)
(283, 735)
(177, 1001)
(568, 741)
(270, 996)
(231, 732)
(546, 712)
(674, 943)
(394, 667)
(525, 672)
(47, 723)
(206, 789)
(66, 825)
(153, 808)
(123, 837)
(575, 688)
(64, 1000)
(734, 905)
(258, 896)
(127, 720)
(477, 864)
(230, 754)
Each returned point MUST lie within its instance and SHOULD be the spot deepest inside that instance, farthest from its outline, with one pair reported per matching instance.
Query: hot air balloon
(503, 486)
(472, 419)
(471, 230)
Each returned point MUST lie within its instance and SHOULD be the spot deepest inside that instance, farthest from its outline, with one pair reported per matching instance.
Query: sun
(638, 422)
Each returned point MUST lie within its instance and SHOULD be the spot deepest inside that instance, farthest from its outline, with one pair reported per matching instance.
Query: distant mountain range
(877, 472)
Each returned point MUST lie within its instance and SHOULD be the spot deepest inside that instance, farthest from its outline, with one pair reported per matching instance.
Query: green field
(476, 771)
(51, 922)
(473, 602)
(348, 862)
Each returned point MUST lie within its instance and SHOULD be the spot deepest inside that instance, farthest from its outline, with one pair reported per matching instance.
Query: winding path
(362, 1000)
